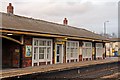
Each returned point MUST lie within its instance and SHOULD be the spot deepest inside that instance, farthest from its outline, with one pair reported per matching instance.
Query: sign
(61, 39)
(17, 50)
(28, 52)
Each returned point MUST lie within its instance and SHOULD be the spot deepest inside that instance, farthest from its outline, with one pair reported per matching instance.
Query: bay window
(72, 50)
(87, 50)
(42, 51)
(99, 50)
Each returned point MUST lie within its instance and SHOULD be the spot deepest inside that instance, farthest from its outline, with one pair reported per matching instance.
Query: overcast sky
(88, 14)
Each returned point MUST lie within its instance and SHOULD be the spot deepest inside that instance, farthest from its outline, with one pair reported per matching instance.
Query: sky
(87, 14)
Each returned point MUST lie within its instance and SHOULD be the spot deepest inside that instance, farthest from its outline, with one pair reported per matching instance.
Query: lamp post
(105, 27)
(105, 34)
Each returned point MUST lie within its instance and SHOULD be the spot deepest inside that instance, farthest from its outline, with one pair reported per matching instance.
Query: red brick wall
(27, 61)
(80, 57)
(10, 54)
(87, 59)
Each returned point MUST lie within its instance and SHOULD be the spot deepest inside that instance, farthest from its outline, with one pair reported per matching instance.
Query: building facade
(30, 42)
(113, 47)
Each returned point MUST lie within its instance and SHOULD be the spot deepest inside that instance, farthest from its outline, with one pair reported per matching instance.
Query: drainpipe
(21, 56)
(21, 52)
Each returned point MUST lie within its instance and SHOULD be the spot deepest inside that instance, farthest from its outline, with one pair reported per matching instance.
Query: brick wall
(27, 61)
(10, 54)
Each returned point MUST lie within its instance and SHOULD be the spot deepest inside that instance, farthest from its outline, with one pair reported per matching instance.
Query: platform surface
(44, 68)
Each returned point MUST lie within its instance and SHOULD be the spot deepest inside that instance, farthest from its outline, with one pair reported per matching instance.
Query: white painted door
(59, 53)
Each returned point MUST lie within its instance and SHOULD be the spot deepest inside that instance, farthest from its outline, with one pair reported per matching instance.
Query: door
(59, 53)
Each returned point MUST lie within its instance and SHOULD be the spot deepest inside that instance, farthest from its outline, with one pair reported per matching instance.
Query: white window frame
(85, 48)
(74, 56)
(99, 48)
(45, 55)
(60, 55)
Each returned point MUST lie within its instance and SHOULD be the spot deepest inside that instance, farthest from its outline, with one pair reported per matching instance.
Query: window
(42, 50)
(99, 45)
(87, 50)
(36, 43)
(72, 49)
(99, 50)
(35, 53)
(42, 43)
(48, 52)
(48, 43)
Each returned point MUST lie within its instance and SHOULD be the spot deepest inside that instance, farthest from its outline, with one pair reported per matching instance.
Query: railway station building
(31, 42)
(113, 47)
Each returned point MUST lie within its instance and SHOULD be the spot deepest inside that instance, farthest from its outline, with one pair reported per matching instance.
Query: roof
(21, 23)
(115, 39)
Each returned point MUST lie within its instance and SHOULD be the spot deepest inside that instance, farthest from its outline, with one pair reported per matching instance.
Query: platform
(45, 68)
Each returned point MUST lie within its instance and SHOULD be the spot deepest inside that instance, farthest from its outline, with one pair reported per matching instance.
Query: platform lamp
(105, 27)
(105, 33)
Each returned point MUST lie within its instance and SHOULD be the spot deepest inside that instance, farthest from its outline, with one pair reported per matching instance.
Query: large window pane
(41, 56)
(41, 49)
(99, 45)
(48, 52)
(41, 52)
(58, 59)
(35, 53)
(42, 43)
(48, 43)
(35, 57)
(35, 42)
(73, 44)
(76, 45)
(35, 49)
(88, 44)
(84, 52)
(71, 54)
(68, 44)
(68, 54)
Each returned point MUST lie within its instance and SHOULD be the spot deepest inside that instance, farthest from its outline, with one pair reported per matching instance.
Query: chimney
(10, 8)
(65, 21)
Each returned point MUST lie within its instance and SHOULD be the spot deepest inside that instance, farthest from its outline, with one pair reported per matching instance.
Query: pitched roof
(16, 22)
(114, 39)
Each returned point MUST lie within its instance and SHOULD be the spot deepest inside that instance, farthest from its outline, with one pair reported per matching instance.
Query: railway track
(98, 73)
(90, 72)
(116, 75)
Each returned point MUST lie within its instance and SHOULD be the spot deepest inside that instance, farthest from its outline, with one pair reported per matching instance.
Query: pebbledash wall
(45, 51)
